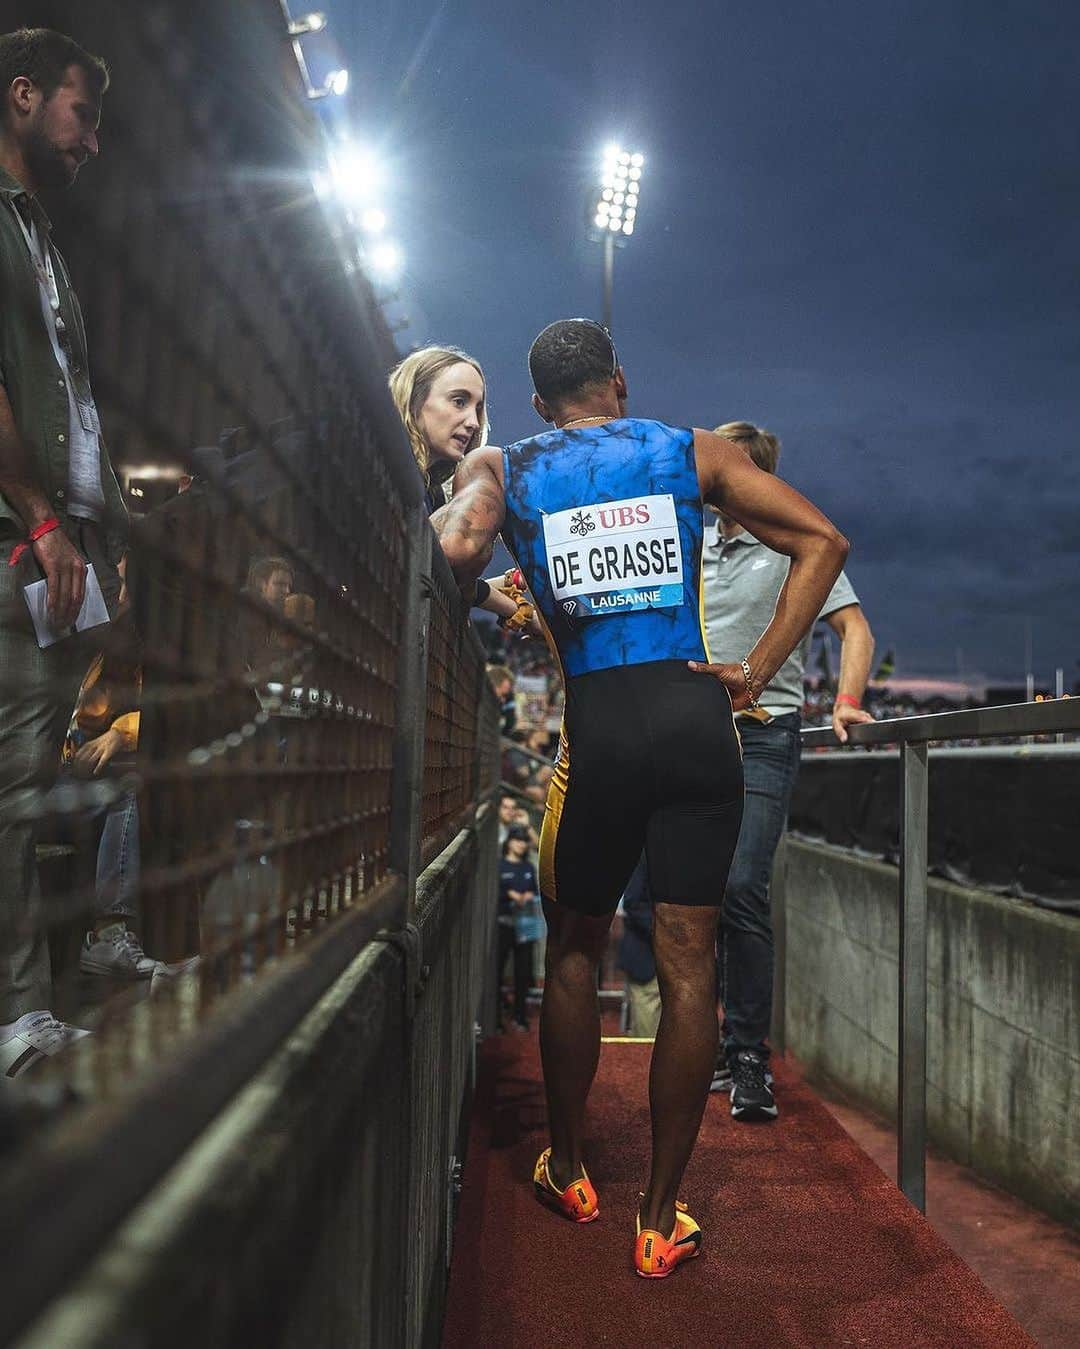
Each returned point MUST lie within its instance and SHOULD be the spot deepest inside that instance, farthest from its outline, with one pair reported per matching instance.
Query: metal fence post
(410, 712)
(406, 830)
(911, 1090)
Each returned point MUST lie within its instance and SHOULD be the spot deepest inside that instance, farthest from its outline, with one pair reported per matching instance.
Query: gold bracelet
(747, 675)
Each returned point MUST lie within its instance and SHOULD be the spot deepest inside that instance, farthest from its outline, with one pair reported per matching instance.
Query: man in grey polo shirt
(741, 580)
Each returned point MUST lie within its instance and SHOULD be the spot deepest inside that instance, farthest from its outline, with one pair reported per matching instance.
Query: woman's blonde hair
(763, 446)
(410, 384)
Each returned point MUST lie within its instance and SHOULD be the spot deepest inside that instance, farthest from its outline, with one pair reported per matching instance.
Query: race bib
(617, 556)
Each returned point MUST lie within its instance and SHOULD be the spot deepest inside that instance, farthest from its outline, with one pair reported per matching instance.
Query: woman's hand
(92, 758)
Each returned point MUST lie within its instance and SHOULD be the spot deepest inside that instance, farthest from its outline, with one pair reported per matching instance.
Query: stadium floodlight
(337, 83)
(613, 210)
(356, 174)
(386, 260)
(307, 23)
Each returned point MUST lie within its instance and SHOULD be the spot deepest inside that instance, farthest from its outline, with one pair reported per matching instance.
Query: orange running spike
(657, 1256)
(578, 1201)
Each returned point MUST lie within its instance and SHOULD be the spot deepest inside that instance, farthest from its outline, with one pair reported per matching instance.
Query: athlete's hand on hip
(732, 678)
(65, 576)
(845, 715)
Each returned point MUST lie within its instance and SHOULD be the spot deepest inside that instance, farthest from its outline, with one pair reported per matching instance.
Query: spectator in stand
(103, 738)
(518, 911)
(539, 783)
(502, 685)
(517, 765)
(524, 821)
(741, 580)
(507, 814)
(61, 509)
(271, 579)
(538, 741)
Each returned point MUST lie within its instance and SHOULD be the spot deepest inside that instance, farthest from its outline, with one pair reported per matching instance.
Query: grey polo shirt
(741, 580)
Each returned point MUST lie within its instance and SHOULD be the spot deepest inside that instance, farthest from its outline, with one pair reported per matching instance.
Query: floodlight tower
(614, 211)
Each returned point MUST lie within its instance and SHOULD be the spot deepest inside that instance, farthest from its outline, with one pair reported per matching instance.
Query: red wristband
(846, 700)
(38, 532)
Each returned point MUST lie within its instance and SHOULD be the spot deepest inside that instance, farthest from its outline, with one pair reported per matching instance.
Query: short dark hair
(43, 56)
(569, 356)
(262, 568)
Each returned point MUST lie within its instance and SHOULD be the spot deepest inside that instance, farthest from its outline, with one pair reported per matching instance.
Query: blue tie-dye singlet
(605, 522)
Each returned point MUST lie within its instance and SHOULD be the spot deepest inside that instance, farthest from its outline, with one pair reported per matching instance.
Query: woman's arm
(468, 525)
(785, 521)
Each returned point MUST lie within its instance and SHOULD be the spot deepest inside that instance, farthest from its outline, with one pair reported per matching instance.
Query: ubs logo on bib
(615, 556)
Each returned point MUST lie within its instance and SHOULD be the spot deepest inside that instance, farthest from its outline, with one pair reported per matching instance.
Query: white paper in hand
(93, 613)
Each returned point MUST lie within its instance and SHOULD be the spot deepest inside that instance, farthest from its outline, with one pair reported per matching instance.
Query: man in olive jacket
(60, 506)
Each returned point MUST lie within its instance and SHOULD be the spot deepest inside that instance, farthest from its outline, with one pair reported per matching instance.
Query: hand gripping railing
(914, 735)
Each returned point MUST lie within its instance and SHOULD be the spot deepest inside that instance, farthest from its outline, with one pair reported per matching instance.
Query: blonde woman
(441, 399)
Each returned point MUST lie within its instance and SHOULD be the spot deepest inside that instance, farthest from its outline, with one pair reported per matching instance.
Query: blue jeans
(84, 808)
(117, 879)
(745, 943)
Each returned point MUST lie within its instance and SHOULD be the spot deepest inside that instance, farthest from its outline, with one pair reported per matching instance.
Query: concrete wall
(1003, 1014)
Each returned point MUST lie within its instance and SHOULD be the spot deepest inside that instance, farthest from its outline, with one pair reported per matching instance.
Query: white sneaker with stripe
(35, 1036)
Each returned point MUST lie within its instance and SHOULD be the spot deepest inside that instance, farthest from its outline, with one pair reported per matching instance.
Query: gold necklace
(580, 421)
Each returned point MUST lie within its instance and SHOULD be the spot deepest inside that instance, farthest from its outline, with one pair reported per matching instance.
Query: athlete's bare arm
(785, 521)
(469, 524)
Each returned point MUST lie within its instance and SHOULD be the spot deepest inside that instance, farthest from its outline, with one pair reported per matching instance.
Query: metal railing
(913, 736)
(312, 781)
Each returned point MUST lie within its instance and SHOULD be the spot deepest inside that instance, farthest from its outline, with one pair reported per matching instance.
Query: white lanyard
(41, 256)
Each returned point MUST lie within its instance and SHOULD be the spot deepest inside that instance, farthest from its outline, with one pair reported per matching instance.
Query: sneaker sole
(97, 967)
(754, 1112)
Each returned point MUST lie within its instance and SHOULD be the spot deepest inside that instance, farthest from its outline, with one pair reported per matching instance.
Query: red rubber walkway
(806, 1241)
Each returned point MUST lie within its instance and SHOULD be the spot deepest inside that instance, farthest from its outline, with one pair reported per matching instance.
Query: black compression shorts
(649, 759)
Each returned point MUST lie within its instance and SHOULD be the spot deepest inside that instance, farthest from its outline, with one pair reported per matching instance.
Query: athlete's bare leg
(570, 1030)
(684, 1056)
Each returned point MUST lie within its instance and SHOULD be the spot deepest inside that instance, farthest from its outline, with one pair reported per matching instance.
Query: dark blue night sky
(858, 228)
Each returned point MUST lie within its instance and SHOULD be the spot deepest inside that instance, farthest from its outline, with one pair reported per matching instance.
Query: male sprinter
(604, 517)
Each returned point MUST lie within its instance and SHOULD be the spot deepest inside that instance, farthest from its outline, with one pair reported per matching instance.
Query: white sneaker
(117, 952)
(35, 1036)
(164, 974)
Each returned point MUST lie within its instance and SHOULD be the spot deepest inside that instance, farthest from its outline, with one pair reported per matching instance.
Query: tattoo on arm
(469, 524)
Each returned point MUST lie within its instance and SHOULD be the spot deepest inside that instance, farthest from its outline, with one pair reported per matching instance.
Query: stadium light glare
(307, 23)
(613, 214)
(373, 221)
(337, 83)
(386, 260)
(356, 173)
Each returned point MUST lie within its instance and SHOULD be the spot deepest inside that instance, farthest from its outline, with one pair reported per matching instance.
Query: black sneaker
(751, 1090)
(721, 1078)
